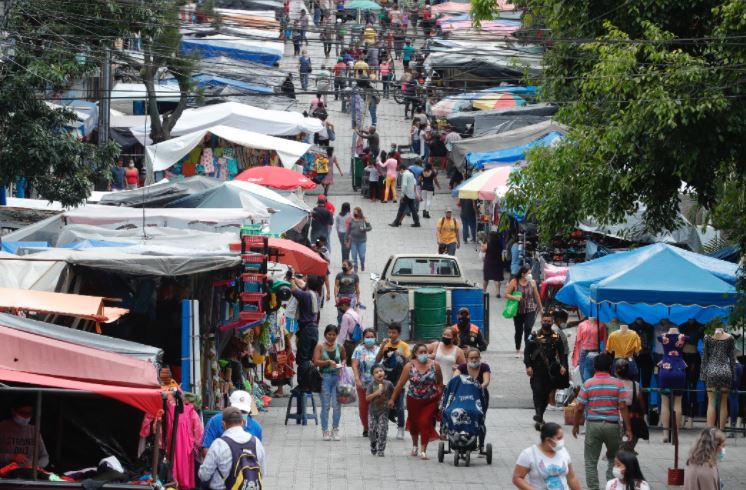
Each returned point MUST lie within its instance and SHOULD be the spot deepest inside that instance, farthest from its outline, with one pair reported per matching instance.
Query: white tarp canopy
(39, 275)
(129, 92)
(165, 154)
(236, 115)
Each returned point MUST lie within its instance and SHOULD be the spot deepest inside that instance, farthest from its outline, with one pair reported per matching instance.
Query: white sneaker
(327, 435)
(400, 433)
(335, 435)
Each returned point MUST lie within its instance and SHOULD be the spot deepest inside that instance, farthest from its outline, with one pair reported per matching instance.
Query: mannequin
(672, 373)
(695, 331)
(587, 345)
(625, 344)
(718, 372)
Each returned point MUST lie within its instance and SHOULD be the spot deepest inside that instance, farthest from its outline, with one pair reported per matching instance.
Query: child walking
(378, 393)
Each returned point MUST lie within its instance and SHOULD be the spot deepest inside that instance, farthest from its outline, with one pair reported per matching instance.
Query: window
(410, 266)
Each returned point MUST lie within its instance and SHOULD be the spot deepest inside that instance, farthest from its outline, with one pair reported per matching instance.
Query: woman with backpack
(329, 357)
(363, 360)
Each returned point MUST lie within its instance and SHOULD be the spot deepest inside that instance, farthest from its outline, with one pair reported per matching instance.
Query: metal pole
(105, 100)
(37, 439)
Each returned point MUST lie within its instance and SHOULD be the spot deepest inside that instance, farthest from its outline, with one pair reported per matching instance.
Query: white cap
(241, 400)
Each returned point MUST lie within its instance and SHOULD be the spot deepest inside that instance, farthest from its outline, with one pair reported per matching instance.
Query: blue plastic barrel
(470, 298)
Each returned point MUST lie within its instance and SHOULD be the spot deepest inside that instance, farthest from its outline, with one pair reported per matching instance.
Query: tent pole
(37, 439)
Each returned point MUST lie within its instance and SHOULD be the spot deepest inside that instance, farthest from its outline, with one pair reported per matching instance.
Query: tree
(653, 94)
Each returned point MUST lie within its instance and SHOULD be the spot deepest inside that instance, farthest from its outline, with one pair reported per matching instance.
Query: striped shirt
(602, 394)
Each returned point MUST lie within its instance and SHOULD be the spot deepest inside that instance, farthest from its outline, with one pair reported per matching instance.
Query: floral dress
(672, 366)
(422, 386)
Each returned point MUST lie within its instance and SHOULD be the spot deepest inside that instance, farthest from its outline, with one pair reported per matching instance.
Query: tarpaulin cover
(209, 80)
(500, 141)
(75, 305)
(459, 102)
(653, 282)
(276, 177)
(487, 121)
(103, 215)
(302, 259)
(286, 215)
(159, 194)
(40, 275)
(241, 116)
(12, 247)
(512, 154)
(80, 337)
(32, 353)
(146, 399)
(264, 52)
(488, 62)
(275, 5)
(164, 155)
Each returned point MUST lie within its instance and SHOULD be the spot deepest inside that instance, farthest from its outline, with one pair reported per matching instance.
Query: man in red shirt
(339, 77)
(327, 204)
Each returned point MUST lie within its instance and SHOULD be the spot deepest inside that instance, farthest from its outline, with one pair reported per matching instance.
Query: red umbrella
(276, 177)
(302, 259)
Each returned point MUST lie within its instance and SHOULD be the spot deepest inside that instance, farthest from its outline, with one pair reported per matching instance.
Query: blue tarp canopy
(654, 282)
(207, 80)
(263, 52)
(12, 247)
(510, 155)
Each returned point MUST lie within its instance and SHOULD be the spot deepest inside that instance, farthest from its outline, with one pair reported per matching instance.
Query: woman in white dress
(447, 353)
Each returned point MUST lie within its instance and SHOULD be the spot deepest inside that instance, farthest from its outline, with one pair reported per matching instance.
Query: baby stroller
(463, 421)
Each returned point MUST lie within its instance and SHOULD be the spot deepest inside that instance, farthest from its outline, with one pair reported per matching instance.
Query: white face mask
(618, 473)
(559, 445)
(21, 420)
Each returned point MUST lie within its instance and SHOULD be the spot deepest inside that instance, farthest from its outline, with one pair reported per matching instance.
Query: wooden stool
(300, 416)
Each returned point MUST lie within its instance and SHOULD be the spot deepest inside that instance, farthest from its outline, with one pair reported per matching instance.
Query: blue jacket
(214, 429)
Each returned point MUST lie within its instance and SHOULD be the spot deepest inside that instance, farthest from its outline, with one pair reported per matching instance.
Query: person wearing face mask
(17, 437)
(529, 305)
(423, 395)
(479, 371)
(702, 466)
(546, 365)
(467, 333)
(546, 465)
(446, 353)
(627, 473)
(363, 360)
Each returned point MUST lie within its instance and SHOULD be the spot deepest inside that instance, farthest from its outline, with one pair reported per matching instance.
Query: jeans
(469, 223)
(427, 200)
(304, 80)
(343, 246)
(329, 398)
(597, 434)
(451, 248)
(586, 364)
(406, 203)
(358, 253)
(390, 185)
(523, 323)
(386, 84)
(373, 108)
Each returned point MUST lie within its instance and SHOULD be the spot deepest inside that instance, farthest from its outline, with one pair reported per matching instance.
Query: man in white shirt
(408, 198)
(221, 458)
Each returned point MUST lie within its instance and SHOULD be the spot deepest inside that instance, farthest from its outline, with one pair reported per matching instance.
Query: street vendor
(17, 437)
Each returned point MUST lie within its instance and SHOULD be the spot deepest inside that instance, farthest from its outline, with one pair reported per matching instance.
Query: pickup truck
(394, 293)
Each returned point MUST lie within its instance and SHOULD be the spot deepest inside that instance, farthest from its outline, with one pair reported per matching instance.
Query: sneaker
(380, 454)
(394, 225)
(423, 455)
(373, 452)
(335, 435)
(327, 435)
(365, 433)
(415, 451)
(400, 433)
(416, 225)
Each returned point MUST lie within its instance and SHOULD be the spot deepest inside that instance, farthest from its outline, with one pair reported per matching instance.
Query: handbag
(637, 418)
(511, 306)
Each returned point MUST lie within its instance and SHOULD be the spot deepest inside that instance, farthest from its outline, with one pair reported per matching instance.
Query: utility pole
(5, 6)
(104, 105)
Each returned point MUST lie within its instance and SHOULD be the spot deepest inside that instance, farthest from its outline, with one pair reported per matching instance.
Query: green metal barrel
(429, 313)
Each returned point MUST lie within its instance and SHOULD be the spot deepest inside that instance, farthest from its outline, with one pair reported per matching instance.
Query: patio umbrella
(302, 259)
(455, 103)
(362, 5)
(485, 185)
(497, 101)
(276, 177)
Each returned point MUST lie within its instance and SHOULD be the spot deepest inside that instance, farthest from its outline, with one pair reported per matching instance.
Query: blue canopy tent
(509, 155)
(262, 52)
(654, 282)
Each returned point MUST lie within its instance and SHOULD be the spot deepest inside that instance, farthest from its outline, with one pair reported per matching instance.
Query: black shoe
(394, 224)
(538, 418)
(365, 433)
(538, 426)
(395, 200)
(416, 225)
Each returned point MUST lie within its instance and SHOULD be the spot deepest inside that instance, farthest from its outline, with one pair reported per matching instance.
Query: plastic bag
(575, 376)
(511, 306)
(346, 391)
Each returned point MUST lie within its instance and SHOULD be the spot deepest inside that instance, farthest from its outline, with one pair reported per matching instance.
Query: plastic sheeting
(107, 215)
(80, 337)
(164, 155)
(654, 282)
(512, 154)
(264, 52)
(501, 141)
(161, 193)
(37, 275)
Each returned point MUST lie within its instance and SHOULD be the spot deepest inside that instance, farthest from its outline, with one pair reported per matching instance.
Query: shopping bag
(511, 306)
(575, 377)
(346, 391)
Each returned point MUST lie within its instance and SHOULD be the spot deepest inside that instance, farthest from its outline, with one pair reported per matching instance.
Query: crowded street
(372, 244)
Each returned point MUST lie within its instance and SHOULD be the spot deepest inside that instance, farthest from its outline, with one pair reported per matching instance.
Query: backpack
(246, 473)
(322, 164)
(357, 333)
(393, 363)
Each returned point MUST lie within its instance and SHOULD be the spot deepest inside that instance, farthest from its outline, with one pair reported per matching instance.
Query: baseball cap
(343, 301)
(322, 197)
(241, 400)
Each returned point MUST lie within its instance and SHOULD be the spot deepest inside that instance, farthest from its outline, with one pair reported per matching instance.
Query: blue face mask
(422, 358)
(369, 341)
